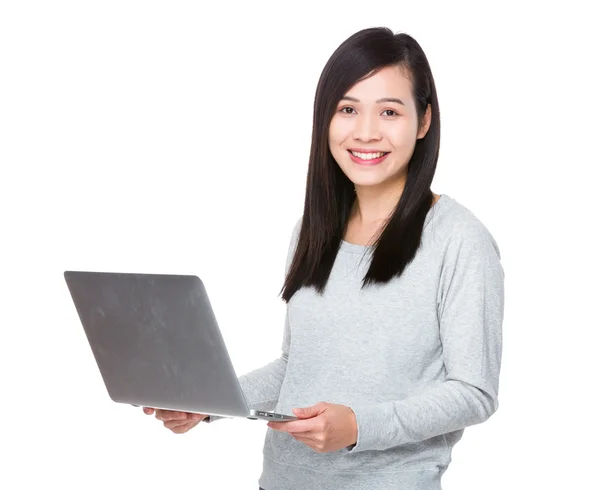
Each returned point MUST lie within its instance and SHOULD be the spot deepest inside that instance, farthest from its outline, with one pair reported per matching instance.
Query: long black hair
(330, 194)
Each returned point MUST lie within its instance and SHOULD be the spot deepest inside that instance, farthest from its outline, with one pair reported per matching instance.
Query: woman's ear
(426, 123)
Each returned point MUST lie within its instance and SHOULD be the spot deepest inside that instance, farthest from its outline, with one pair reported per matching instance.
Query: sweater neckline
(355, 248)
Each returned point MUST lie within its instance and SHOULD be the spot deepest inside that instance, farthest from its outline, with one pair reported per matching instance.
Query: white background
(172, 137)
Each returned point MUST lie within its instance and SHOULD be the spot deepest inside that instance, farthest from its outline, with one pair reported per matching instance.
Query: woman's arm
(470, 316)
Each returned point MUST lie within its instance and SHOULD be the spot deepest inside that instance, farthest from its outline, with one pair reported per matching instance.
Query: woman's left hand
(324, 427)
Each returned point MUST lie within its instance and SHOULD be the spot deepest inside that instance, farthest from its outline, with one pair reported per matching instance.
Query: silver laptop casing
(157, 343)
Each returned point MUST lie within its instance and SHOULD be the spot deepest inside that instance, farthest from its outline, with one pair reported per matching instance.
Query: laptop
(157, 343)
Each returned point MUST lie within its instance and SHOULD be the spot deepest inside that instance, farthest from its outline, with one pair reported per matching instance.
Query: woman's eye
(387, 112)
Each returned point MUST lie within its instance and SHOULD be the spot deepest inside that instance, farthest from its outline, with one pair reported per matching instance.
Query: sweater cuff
(371, 425)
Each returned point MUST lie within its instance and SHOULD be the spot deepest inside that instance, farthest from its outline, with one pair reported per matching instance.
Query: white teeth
(368, 156)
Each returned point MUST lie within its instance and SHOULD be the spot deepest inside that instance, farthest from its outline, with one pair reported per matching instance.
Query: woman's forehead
(387, 83)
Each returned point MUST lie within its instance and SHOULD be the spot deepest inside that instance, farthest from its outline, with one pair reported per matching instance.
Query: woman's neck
(373, 205)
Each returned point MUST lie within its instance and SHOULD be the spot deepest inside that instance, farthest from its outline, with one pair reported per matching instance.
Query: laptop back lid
(156, 341)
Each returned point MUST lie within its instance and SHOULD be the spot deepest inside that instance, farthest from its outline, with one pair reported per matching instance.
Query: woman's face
(374, 130)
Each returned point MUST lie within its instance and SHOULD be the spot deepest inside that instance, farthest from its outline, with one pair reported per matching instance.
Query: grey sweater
(417, 360)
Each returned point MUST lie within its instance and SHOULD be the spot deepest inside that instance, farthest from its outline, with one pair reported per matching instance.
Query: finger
(148, 410)
(279, 426)
(171, 424)
(170, 415)
(296, 427)
(181, 428)
(182, 416)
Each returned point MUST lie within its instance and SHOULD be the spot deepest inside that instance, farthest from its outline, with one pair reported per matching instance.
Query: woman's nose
(366, 129)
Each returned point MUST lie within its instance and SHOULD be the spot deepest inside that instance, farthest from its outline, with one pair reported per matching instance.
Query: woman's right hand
(176, 422)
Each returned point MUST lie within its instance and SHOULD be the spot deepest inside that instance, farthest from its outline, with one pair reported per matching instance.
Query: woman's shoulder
(453, 223)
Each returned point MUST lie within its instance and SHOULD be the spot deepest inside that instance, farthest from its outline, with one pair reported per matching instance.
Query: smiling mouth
(368, 156)
(368, 159)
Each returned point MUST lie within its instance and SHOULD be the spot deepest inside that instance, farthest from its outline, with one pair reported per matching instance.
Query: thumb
(306, 412)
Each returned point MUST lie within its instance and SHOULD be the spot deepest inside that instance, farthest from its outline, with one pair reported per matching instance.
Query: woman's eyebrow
(379, 101)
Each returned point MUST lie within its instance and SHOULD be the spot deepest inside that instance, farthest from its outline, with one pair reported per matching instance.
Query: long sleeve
(261, 386)
(470, 313)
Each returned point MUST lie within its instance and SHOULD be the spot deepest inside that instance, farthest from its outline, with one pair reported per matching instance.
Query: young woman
(395, 295)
